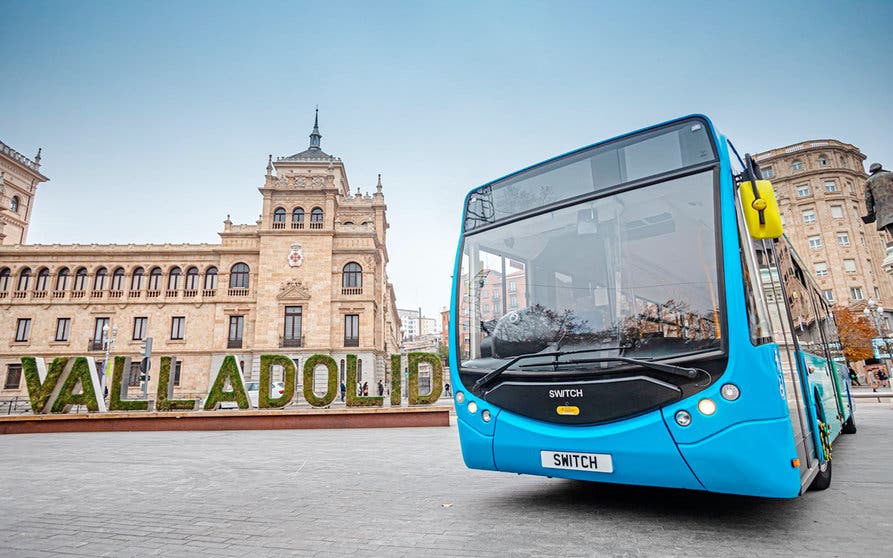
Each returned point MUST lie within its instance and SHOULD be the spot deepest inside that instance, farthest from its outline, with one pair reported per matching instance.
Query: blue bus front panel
(641, 449)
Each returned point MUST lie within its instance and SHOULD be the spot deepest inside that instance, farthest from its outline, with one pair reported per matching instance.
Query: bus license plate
(594, 462)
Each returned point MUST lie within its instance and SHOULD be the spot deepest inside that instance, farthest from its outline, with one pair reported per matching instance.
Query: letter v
(42, 385)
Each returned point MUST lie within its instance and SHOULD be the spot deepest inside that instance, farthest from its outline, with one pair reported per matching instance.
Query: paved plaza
(401, 492)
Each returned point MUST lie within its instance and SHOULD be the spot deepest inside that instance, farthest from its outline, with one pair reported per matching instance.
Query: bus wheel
(823, 479)
(849, 427)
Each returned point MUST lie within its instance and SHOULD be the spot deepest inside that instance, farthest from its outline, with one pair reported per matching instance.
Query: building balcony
(39, 294)
(352, 290)
(135, 294)
(4, 294)
(278, 226)
(315, 226)
(291, 341)
(238, 292)
(97, 294)
(172, 293)
(233, 343)
(77, 294)
(209, 292)
(297, 224)
(153, 294)
(95, 345)
(116, 294)
(351, 341)
(190, 293)
(58, 294)
(20, 294)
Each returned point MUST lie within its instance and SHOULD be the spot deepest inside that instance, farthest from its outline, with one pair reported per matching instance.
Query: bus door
(776, 274)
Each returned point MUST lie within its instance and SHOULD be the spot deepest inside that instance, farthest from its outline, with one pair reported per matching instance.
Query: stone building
(820, 189)
(19, 177)
(308, 277)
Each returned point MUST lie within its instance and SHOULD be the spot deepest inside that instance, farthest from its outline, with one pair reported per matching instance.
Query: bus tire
(823, 479)
(849, 427)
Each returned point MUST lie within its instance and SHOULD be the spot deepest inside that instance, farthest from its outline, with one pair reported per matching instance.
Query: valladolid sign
(72, 381)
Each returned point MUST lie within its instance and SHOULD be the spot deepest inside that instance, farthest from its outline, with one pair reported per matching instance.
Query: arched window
(211, 278)
(62, 279)
(279, 215)
(352, 276)
(192, 279)
(118, 279)
(238, 276)
(80, 279)
(173, 279)
(316, 218)
(823, 161)
(797, 165)
(99, 280)
(136, 283)
(348, 222)
(43, 278)
(297, 215)
(155, 279)
(14, 204)
(4, 279)
(24, 279)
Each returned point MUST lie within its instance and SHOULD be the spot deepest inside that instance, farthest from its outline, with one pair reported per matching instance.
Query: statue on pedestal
(879, 199)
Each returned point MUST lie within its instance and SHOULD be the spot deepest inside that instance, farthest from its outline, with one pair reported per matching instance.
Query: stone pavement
(402, 492)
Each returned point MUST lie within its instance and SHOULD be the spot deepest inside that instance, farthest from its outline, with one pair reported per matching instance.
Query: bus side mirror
(761, 213)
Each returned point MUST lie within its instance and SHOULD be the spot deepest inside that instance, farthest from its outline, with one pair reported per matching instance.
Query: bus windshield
(634, 272)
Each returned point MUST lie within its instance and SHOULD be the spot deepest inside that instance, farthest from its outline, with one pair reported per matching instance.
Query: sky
(156, 118)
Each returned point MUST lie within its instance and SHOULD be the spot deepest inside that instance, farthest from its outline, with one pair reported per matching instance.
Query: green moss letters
(332, 380)
(83, 373)
(436, 378)
(41, 383)
(118, 391)
(396, 381)
(264, 401)
(164, 397)
(354, 400)
(231, 371)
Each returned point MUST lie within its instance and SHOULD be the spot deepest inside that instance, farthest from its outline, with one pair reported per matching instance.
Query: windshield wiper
(690, 373)
(490, 376)
(685, 372)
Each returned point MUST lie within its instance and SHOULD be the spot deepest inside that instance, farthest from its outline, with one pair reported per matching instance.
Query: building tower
(19, 177)
(820, 189)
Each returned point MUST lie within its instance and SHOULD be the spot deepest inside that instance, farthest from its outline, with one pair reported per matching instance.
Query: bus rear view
(600, 324)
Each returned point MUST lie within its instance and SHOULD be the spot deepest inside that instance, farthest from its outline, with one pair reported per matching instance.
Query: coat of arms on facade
(296, 255)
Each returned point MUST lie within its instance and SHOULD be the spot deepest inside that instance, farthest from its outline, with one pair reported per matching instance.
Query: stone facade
(820, 189)
(19, 177)
(308, 277)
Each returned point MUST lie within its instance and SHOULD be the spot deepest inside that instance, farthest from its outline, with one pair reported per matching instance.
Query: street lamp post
(108, 342)
(876, 313)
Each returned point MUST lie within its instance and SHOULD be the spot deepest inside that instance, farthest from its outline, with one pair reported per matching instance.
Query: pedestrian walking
(365, 389)
(343, 391)
(854, 378)
(446, 389)
(380, 388)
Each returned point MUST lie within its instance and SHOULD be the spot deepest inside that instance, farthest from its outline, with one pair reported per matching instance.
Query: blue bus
(632, 313)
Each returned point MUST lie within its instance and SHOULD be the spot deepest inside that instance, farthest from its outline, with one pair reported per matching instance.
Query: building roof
(314, 152)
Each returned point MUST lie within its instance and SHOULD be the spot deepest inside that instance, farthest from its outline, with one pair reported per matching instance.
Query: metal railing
(95, 345)
(233, 343)
(291, 341)
(351, 341)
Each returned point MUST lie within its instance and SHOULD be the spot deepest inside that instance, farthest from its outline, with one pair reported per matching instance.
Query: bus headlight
(460, 397)
(485, 415)
(730, 392)
(707, 406)
(472, 407)
(683, 418)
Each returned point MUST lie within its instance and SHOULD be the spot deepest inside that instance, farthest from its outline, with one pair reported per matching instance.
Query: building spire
(378, 186)
(37, 157)
(315, 136)
(270, 165)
